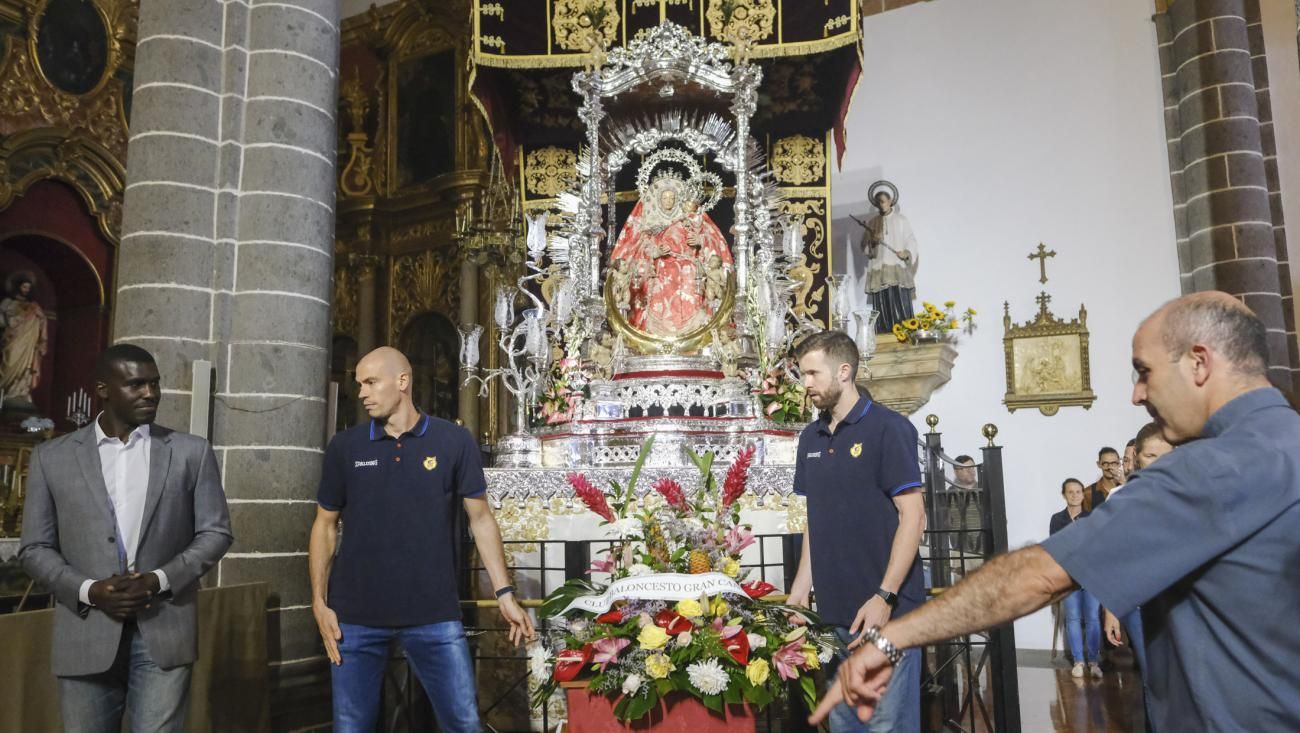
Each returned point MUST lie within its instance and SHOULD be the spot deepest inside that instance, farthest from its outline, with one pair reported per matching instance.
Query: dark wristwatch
(890, 598)
(504, 590)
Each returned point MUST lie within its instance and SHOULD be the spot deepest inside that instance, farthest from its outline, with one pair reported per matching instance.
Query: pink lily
(738, 538)
(601, 566)
(607, 650)
(789, 658)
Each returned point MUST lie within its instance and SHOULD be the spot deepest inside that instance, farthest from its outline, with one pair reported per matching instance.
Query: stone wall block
(1220, 136)
(175, 364)
(1190, 43)
(148, 258)
(283, 169)
(1201, 105)
(268, 267)
(1212, 245)
(1237, 100)
(288, 123)
(285, 220)
(1226, 207)
(1253, 240)
(292, 77)
(287, 576)
(167, 158)
(279, 369)
(194, 18)
(1279, 243)
(168, 209)
(178, 60)
(1259, 72)
(163, 312)
(1209, 174)
(267, 527)
(1215, 68)
(285, 27)
(1230, 32)
(173, 109)
(1245, 169)
(269, 421)
(1268, 307)
(264, 473)
(1245, 276)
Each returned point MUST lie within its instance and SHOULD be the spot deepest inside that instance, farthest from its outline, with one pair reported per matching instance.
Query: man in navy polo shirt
(394, 482)
(857, 466)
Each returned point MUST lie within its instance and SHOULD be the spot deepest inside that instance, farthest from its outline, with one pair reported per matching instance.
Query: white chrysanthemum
(756, 641)
(539, 663)
(631, 684)
(708, 677)
(824, 656)
(639, 569)
(628, 527)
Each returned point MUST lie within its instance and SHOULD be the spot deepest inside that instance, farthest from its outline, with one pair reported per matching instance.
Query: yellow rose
(652, 637)
(658, 666)
(731, 567)
(757, 671)
(810, 657)
(690, 608)
(718, 608)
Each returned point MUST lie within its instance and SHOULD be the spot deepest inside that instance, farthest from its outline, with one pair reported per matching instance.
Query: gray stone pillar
(226, 255)
(1227, 238)
(469, 401)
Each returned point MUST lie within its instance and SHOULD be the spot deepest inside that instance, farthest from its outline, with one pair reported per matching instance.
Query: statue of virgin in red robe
(667, 244)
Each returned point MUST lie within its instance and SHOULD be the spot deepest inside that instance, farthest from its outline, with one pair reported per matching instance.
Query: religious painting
(425, 118)
(71, 45)
(432, 344)
(1047, 361)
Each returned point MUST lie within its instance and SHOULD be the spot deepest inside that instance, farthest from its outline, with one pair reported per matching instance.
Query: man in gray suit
(122, 518)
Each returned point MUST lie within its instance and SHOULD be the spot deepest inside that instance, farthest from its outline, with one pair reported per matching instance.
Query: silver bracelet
(886, 647)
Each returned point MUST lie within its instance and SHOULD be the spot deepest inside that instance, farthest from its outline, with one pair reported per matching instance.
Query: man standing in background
(1112, 475)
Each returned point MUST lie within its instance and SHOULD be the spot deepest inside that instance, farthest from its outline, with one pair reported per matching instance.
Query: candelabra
(79, 408)
(525, 340)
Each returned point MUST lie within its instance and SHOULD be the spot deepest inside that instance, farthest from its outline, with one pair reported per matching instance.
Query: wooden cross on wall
(1041, 255)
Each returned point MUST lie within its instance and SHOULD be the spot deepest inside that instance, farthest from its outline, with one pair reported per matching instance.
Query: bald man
(1205, 540)
(394, 481)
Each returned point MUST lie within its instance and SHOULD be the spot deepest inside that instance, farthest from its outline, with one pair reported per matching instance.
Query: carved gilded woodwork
(72, 156)
(1047, 360)
(347, 285)
(421, 282)
(798, 160)
(549, 171)
(582, 25)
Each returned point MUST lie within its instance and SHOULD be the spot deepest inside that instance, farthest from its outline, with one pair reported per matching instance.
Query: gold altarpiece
(401, 263)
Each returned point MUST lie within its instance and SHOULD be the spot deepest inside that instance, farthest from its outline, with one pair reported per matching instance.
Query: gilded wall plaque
(1047, 361)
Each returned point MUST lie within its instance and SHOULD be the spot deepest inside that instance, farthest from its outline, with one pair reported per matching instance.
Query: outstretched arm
(1005, 588)
(487, 537)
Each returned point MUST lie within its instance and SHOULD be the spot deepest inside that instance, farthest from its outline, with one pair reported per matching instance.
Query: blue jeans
(899, 709)
(155, 697)
(1082, 609)
(438, 653)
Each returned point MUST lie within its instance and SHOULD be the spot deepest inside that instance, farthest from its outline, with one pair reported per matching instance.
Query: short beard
(831, 398)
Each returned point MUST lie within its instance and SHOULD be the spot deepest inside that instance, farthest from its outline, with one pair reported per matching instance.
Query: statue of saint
(892, 259)
(667, 243)
(25, 339)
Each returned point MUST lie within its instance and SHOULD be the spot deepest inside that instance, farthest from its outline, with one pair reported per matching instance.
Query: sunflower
(911, 324)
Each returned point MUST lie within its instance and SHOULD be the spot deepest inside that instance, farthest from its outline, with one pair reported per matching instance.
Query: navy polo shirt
(398, 496)
(850, 478)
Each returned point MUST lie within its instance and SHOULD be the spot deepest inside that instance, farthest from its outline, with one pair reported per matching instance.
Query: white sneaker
(1077, 671)
(1095, 670)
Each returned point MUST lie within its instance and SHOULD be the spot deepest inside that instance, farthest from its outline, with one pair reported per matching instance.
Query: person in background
(1082, 620)
(1112, 475)
(1129, 452)
(1149, 446)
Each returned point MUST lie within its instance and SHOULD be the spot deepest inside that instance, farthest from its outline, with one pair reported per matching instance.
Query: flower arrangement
(561, 400)
(933, 322)
(724, 647)
(782, 396)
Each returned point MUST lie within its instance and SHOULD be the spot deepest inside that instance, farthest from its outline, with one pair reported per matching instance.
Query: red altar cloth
(677, 713)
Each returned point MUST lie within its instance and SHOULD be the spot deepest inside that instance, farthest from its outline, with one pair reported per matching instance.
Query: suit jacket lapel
(160, 458)
(93, 473)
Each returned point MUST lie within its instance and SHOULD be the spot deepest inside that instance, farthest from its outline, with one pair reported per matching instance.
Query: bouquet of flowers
(679, 614)
(933, 322)
(562, 398)
(782, 396)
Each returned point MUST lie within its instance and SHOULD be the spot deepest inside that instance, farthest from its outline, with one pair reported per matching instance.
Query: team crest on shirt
(430, 463)
(856, 450)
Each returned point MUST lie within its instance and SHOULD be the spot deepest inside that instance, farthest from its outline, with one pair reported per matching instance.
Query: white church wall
(1279, 18)
(1006, 123)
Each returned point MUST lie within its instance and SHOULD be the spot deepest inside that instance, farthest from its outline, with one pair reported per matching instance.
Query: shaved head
(1219, 321)
(384, 376)
(386, 360)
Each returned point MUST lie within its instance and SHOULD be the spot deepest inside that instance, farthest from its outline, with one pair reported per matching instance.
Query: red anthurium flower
(758, 588)
(672, 622)
(737, 645)
(570, 662)
(611, 617)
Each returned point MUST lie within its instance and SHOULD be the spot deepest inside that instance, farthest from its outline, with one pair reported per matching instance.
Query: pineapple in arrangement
(699, 562)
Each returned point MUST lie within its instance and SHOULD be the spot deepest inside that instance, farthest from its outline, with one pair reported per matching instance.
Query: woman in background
(1082, 609)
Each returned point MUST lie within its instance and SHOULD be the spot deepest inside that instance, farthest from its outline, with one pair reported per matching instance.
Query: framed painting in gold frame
(1047, 361)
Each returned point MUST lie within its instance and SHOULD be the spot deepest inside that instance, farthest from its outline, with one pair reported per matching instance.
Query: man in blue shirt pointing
(1205, 541)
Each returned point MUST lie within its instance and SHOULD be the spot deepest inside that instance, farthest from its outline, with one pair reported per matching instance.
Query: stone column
(227, 253)
(468, 407)
(1221, 193)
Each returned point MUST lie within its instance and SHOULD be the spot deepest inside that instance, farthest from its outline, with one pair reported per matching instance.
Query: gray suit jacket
(68, 531)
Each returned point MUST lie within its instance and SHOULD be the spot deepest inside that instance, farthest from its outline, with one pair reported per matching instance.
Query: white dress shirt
(125, 467)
